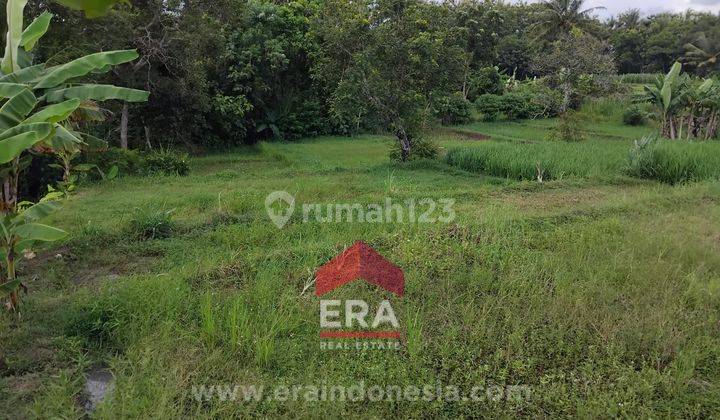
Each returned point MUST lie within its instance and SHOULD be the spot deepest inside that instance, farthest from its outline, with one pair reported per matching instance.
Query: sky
(614, 7)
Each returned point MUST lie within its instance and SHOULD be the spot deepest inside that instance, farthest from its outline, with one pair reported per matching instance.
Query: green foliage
(635, 115)
(520, 104)
(487, 80)
(452, 109)
(147, 224)
(569, 128)
(673, 162)
(638, 78)
(128, 162)
(166, 162)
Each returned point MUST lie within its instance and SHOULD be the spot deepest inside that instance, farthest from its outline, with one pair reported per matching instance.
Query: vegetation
(687, 108)
(580, 158)
(38, 103)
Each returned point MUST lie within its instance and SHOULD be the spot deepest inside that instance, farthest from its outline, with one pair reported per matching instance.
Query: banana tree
(35, 103)
(668, 95)
(18, 233)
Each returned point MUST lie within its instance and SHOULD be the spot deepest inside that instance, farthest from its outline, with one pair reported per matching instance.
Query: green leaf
(92, 8)
(25, 75)
(94, 143)
(37, 211)
(112, 173)
(85, 167)
(39, 232)
(42, 130)
(64, 139)
(9, 287)
(85, 65)
(14, 146)
(8, 90)
(669, 83)
(97, 93)
(55, 113)
(14, 17)
(16, 109)
(32, 34)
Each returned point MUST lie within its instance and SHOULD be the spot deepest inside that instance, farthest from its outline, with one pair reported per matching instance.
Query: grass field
(601, 294)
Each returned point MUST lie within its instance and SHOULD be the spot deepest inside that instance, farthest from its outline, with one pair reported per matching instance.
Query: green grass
(675, 162)
(556, 160)
(604, 298)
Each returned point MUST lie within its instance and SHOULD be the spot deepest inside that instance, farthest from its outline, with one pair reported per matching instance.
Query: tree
(405, 53)
(572, 59)
(561, 17)
(704, 53)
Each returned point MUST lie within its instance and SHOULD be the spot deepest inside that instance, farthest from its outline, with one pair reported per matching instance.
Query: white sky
(614, 7)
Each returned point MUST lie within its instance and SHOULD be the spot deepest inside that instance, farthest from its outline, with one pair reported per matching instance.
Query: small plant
(634, 115)
(113, 160)
(568, 128)
(421, 149)
(167, 162)
(20, 232)
(149, 225)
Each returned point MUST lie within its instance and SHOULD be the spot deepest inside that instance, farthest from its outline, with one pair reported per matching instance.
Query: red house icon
(359, 262)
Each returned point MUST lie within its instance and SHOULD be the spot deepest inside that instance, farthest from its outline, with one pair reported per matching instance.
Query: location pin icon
(279, 218)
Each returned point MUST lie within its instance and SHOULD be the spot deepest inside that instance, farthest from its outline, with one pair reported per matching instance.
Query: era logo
(356, 312)
(358, 262)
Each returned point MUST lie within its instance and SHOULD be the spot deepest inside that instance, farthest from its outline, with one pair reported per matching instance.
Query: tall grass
(674, 162)
(556, 160)
(671, 162)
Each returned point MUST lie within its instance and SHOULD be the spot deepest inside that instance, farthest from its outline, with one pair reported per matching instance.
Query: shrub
(568, 128)
(452, 109)
(634, 115)
(673, 162)
(167, 162)
(514, 106)
(485, 81)
(490, 106)
(546, 101)
(146, 225)
(128, 162)
(421, 149)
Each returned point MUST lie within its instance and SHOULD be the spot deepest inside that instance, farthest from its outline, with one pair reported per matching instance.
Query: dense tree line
(226, 72)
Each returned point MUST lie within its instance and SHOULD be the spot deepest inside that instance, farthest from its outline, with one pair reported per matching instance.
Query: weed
(151, 224)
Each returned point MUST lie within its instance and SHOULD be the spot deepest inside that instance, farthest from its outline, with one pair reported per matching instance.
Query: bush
(673, 162)
(490, 106)
(568, 128)
(452, 109)
(485, 81)
(420, 149)
(146, 225)
(634, 115)
(167, 162)
(128, 162)
(513, 105)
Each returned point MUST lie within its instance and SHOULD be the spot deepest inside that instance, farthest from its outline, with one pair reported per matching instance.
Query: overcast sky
(653, 6)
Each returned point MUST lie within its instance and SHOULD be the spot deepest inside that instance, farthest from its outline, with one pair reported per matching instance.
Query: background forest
(228, 72)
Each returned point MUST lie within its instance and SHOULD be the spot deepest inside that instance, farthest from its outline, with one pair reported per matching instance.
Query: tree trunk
(405, 144)
(147, 137)
(124, 125)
